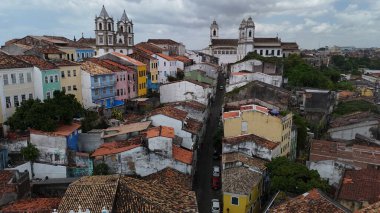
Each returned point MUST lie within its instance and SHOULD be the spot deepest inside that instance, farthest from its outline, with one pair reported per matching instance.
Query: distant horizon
(312, 24)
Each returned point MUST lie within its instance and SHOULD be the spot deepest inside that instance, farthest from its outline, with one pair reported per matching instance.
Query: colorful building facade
(70, 74)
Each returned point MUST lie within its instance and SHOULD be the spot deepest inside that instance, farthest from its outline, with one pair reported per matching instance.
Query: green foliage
(218, 136)
(301, 124)
(348, 107)
(30, 152)
(180, 75)
(92, 121)
(172, 79)
(101, 169)
(293, 177)
(352, 65)
(46, 115)
(253, 55)
(344, 85)
(117, 114)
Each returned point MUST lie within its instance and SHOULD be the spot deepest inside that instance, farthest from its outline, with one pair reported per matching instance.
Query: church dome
(214, 24)
(250, 22)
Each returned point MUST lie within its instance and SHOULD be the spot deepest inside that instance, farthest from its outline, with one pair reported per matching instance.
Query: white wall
(21, 168)
(170, 67)
(211, 71)
(245, 65)
(237, 81)
(226, 58)
(183, 91)
(162, 145)
(37, 80)
(52, 171)
(252, 149)
(52, 148)
(348, 132)
(86, 89)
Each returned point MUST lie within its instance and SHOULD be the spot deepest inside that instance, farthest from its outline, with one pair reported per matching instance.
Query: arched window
(129, 29)
(250, 34)
(121, 51)
(214, 33)
(109, 26)
(121, 28)
(100, 26)
(120, 41)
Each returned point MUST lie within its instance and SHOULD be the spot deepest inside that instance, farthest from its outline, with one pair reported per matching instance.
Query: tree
(101, 169)
(301, 124)
(180, 75)
(30, 153)
(293, 177)
(117, 114)
(349, 107)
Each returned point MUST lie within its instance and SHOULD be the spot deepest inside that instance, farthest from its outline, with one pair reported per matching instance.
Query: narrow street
(202, 178)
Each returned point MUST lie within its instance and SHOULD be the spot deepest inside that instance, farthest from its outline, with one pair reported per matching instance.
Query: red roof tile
(248, 138)
(119, 65)
(163, 131)
(111, 148)
(166, 57)
(152, 48)
(184, 59)
(10, 62)
(170, 112)
(231, 114)
(63, 130)
(182, 155)
(129, 59)
(193, 126)
(65, 63)
(34, 205)
(38, 62)
(163, 41)
(361, 185)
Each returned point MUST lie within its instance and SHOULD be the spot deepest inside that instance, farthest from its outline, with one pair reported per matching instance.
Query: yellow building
(70, 78)
(242, 189)
(366, 91)
(254, 119)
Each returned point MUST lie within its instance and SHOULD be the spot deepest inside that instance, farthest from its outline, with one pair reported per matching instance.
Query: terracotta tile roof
(360, 185)
(111, 148)
(87, 41)
(239, 180)
(192, 125)
(169, 176)
(163, 131)
(166, 57)
(231, 114)
(266, 40)
(91, 192)
(142, 53)
(312, 201)
(162, 41)
(191, 104)
(47, 50)
(94, 69)
(184, 59)
(62, 130)
(38, 62)
(129, 59)
(104, 64)
(373, 208)
(353, 118)
(125, 129)
(152, 48)
(170, 112)
(234, 157)
(224, 42)
(182, 155)
(345, 94)
(248, 138)
(10, 62)
(34, 205)
(120, 66)
(6, 177)
(289, 46)
(65, 63)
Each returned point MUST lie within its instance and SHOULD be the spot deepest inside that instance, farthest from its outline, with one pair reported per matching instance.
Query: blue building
(3, 158)
(84, 53)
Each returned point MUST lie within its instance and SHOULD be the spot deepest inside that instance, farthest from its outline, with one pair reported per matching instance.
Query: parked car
(216, 171)
(215, 183)
(221, 87)
(215, 206)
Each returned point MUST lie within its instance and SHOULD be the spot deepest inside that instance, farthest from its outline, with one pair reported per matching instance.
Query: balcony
(102, 96)
(102, 84)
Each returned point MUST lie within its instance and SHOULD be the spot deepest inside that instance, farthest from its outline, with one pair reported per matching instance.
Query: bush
(101, 169)
(30, 153)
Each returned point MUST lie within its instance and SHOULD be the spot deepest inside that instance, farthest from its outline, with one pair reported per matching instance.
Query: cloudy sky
(312, 23)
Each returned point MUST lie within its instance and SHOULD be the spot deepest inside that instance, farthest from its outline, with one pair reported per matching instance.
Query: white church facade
(109, 39)
(232, 50)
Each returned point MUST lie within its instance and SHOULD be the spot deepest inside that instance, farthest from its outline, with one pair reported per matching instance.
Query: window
(261, 52)
(250, 34)
(266, 52)
(30, 96)
(74, 73)
(104, 78)
(104, 91)
(48, 95)
(111, 91)
(51, 79)
(117, 92)
(6, 82)
(64, 89)
(68, 73)
(21, 77)
(214, 32)
(244, 126)
(23, 98)
(68, 88)
(13, 77)
(109, 26)
(96, 79)
(96, 92)
(62, 74)
(100, 39)
(110, 39)
(74, 87)
(165, 63)
(15, 100)
(100, 26)
(128, 78)
(117, 77)
(272, 52)
(56, 78)
(82, 55)
(124, 77)
(78, 56)
(8, 102)
(235, 201)
(46, 79)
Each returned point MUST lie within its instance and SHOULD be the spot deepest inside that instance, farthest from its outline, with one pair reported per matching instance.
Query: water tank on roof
(274, 112)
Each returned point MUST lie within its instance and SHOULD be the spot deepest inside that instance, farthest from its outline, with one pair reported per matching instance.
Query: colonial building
(232, 50)
(109, 39)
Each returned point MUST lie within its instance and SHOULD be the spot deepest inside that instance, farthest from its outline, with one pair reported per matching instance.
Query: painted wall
(86, 90)
(53, 82)
(348, 132)
(245, 65)
(165, 68)
(72, 141)
(84, 53)
(210, 70)
(252, 148)
(70, 53)
(161, 145)
(38, 83)
(229, 207)
(52, 148)
(122, 85)
(71, 81)
(142, 86)
(183, 91)
(51, 171)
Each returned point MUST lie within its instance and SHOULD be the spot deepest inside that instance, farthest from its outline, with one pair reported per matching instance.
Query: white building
(167, 66)
(186, 90)
(239, 79)
(211, 70)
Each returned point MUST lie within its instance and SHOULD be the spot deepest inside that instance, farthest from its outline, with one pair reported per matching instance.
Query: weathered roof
(267, 40)
(124, 17)
(39, 205)
(46, 50)
(87, 41)
(251, 138)
(171, 177)
(104, 64)
(120, 66)
(64, 63)
(312, 201)
(103, 13)
(152, 48)
(373, 208)
(239, 180)
(233, 157)
(224, 42)
(129, 59)
(360, 185)
(289, 46)
(170, 112)
(231, 114)
(192, 125)
(163, 131)
(182, 155)
(111, 148)
(62, 130)
(125, 129)
(162, 41)
(191, 104)
(38, 62)
(94, 69)
(183, 59)
(166, 57)
(10, 62)
(353, 118)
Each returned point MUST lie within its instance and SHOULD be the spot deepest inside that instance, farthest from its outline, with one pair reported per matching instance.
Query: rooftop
(191, 104)
(289, 46)
(166, 57)
(162, 41)
(65, 63)
(239, 180)
(10, 62)
(360, 185)
(94, 69)
(171, 177)
(163, 131)
(251, 138)
(152, 48)
(47, 50)
(111, 148)
(120, 66)
(373, 208)
(224, 42)
(62, 130)
(250, 161)
(184, 59)
(125, 129)
(129, 59)
(231, 114)
(311, 201)
(353, 118)
(33, 205)
(192, 125)
(182, 155)
(37, 62)
(170, 112)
